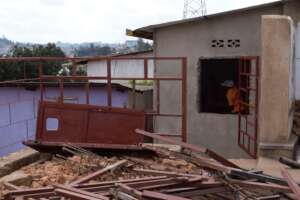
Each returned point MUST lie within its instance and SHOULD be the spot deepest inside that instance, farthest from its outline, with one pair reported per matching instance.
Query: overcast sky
(44, 21)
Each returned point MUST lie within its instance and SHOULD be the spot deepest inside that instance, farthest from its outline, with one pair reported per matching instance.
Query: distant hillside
(5, 45)
(71, 49)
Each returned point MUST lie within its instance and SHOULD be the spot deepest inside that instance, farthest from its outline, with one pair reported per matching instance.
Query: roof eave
(151, 28)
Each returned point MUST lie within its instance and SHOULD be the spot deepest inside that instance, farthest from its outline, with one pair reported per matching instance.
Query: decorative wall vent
(217, 43)
(231, 43)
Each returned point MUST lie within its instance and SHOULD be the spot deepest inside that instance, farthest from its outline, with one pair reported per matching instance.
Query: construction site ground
(43, 170)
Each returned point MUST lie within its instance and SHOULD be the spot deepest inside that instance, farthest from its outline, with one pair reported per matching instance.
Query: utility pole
(194, 8)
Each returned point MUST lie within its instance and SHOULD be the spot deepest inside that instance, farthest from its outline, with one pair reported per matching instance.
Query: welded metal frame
(61, 80)
(246, 70)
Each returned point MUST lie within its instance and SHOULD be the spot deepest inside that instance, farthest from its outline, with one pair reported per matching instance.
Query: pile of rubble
(191, 173)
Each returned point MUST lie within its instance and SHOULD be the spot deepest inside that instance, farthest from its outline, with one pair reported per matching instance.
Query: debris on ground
(178, 175)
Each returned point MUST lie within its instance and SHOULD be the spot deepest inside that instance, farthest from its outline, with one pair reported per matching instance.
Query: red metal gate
(248, 99)
(85, 123)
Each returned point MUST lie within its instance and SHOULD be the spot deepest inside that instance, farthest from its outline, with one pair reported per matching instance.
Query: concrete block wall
(18, 111)
(17, 123)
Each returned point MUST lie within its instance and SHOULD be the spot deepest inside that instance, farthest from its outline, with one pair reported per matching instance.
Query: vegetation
(17, 70)
(20, 70)
(143, 46)
(93, 50)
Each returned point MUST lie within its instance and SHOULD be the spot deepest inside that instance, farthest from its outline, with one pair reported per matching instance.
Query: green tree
(93, 50)
(15, 70)
(143, 46)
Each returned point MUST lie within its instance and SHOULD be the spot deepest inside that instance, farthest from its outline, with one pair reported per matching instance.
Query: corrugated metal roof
(172, 23)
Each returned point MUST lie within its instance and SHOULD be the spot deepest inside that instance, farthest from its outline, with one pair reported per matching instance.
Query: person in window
(232, 96)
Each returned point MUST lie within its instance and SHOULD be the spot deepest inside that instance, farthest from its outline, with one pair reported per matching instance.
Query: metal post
(40, 69)
(145, 69)
(133, 94)
(61, 89)
(184, 100)
(74, 67)
(158, 97)
(109, 86)
(87, 92)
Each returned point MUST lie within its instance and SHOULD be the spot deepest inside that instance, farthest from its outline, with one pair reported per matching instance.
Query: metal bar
(167, 173)
(256, 107)
(87, 94)
(99, 172)
(40, 68)
(158, 97)
(50, 77)
(127, 181)
(133, 94)
(74, 195)
(74, 68)
(259, 177)
(24, 70)
(145, 68)
(61, 91)
(292, 184)
(79, 191)
(109, 87)
(189, 146)
(184, 100)
(170, 135)
(161, 196)
(163, 115)
(239, 113)
(78, 59)
(19, 80)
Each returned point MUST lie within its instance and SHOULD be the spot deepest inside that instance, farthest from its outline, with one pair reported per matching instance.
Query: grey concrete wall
(193, 40)
(276, 95)
(292, 9)
(297, 62)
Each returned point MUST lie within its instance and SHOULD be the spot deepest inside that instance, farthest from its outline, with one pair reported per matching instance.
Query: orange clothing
(232, 96)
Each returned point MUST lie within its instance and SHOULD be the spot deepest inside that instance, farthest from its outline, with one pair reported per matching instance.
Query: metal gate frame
(62, 79)
(248, 140)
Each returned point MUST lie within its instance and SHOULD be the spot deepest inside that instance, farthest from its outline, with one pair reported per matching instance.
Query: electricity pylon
(194, 8)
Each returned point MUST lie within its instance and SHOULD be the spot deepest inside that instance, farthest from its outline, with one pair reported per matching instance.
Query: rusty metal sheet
(86, 124)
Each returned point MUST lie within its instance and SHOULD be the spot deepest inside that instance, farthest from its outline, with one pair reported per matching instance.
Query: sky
(42, 21)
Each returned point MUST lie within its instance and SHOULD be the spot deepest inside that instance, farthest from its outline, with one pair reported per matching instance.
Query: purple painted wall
(18, 110)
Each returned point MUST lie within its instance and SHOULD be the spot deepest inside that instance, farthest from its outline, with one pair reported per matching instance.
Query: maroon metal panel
(90, 124)
(115, 127)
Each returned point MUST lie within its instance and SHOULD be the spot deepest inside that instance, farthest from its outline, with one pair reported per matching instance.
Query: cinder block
(12, 134)
(21, 111)
(31, 128)
(4, 115)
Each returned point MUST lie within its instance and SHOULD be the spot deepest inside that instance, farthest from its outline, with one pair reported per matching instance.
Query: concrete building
(214, 45)
(121, 68)
(127, 68)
